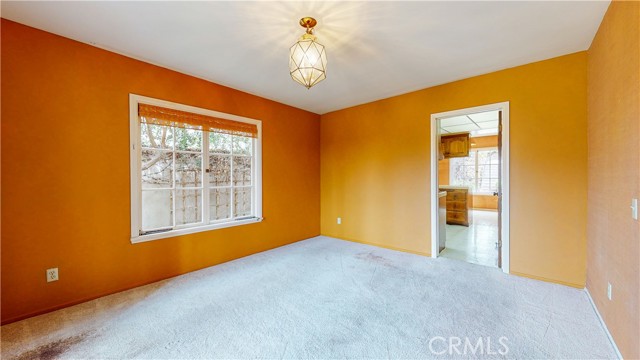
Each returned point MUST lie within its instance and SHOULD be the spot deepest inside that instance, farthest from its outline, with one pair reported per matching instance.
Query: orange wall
(485, 141)
(487, 202)
(375, 165)
(65, 161)
(613, 249)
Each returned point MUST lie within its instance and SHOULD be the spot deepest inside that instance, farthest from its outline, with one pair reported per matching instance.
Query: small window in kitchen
(478, 171)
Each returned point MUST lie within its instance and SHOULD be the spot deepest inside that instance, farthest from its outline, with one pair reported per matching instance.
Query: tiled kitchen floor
(476, 243)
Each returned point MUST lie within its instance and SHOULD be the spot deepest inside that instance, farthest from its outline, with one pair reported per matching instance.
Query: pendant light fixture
(307, 58)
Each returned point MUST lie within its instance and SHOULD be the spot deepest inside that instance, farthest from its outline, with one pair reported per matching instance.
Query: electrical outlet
(609, 289)
(52, 274)
(339, 221)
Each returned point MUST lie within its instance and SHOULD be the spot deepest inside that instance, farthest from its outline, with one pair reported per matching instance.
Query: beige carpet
(323, 298)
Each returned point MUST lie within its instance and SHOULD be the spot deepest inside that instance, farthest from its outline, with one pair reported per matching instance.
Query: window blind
(157, 115)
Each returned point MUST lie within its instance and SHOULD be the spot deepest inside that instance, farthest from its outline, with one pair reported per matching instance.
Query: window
(478, 171)
(191, 169)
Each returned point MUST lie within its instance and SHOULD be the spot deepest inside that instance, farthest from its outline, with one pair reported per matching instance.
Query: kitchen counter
(451, 187)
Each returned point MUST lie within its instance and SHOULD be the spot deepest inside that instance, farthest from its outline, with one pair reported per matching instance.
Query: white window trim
(490, 193)
(135, 155)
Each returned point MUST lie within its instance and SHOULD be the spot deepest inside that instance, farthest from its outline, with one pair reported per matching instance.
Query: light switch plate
(634, 209)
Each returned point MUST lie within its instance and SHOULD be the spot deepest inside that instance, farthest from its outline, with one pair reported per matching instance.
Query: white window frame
(475, 154)
(136, 186)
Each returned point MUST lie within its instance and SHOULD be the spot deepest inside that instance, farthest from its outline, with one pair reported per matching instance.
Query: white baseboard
(606, 330)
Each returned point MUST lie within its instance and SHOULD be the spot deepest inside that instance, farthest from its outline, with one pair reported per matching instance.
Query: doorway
(470, 185)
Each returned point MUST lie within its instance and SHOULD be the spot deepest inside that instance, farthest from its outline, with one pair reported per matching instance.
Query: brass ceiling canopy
(309, 23)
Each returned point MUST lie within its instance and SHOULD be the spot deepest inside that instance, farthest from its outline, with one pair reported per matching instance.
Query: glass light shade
(307, 61)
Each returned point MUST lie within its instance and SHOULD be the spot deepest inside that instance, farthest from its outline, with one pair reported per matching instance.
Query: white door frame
(504, 107)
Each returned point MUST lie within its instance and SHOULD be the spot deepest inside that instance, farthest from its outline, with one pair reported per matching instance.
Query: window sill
(192, 230)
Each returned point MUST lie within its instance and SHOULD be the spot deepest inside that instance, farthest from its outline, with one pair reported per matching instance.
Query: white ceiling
(375, 49)
(484, 123)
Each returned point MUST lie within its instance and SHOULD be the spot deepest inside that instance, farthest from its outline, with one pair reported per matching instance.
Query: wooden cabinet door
(456, 145)
(457, 207)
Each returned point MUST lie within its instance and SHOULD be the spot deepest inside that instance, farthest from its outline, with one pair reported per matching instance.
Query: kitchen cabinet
(457, 206)
(455, 145)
